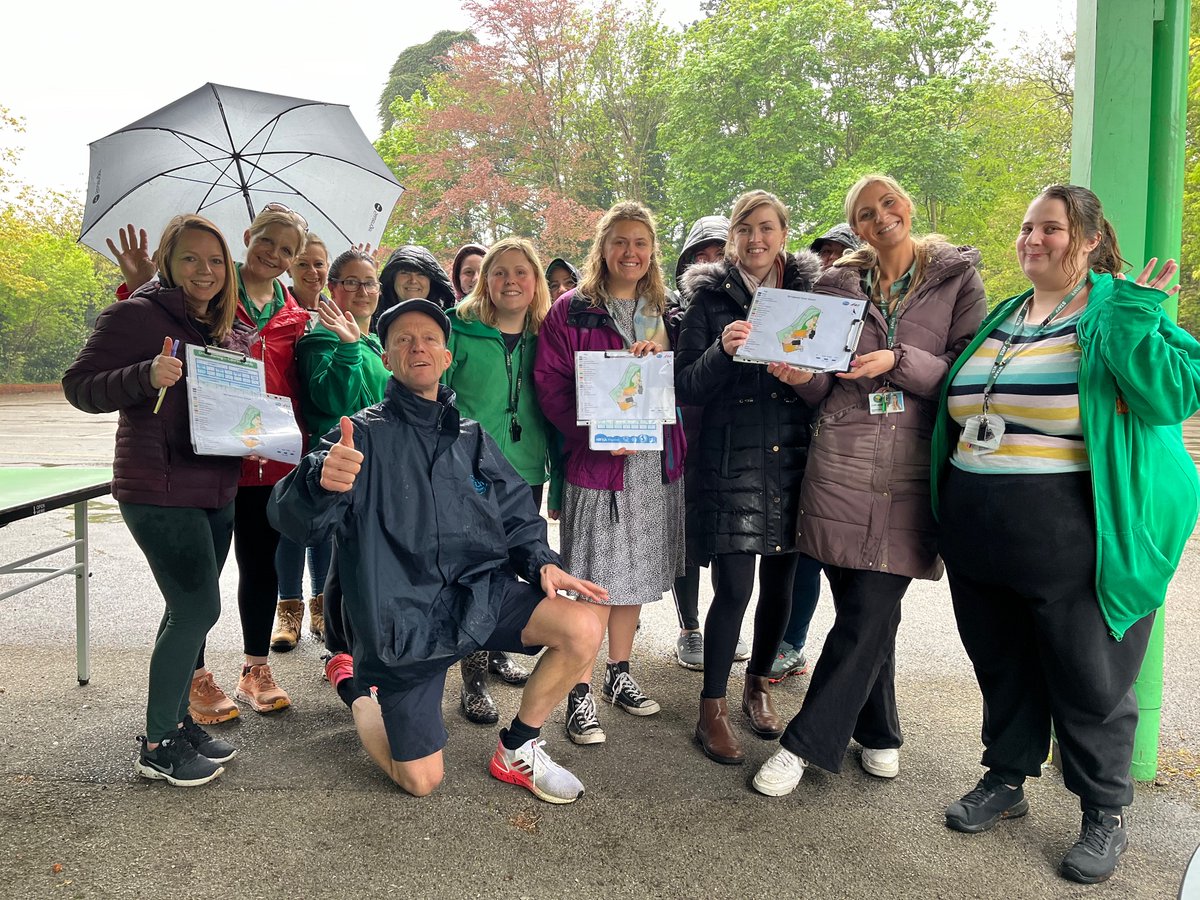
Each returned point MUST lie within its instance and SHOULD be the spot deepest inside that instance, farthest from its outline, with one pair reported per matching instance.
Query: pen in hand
(162, 391)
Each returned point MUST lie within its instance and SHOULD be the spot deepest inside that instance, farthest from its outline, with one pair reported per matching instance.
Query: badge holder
(982, 433)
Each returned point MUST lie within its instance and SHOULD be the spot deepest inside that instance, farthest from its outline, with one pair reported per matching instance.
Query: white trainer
(881, 763)
(780, 774)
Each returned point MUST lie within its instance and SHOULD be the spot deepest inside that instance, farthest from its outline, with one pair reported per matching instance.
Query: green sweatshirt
(479, 377)
(1139, 378)
(339, 378)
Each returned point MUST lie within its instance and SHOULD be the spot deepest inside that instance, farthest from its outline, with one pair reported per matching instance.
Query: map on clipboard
(616, 386)
(816, 332)
(230, 411)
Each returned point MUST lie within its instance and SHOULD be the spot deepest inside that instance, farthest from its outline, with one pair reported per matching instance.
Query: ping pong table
(26, 492)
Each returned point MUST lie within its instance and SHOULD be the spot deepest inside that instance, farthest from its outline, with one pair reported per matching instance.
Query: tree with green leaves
(414, 67)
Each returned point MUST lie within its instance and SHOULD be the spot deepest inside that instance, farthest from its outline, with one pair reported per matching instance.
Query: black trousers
(254, 546)
(853, 687)
(1020, 551)
(732, 590)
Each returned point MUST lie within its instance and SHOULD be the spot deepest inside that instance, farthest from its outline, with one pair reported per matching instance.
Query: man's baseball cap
(428, 307)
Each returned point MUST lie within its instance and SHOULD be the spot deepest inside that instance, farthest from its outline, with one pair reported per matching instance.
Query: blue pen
(162, 391)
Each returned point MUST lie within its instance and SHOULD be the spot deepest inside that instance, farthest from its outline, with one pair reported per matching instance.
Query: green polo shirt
(260, 317)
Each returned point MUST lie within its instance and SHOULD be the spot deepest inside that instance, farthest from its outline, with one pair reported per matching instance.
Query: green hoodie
(479, 378)
(340, 378)
(1139, 378)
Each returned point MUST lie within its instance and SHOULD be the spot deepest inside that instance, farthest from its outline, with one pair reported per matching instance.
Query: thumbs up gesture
(342, 463)
(165, 369)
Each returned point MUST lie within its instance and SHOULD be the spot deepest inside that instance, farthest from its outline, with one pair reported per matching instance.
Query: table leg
(82, 605)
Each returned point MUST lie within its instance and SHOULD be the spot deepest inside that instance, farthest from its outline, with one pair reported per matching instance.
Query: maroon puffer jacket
(154, 461)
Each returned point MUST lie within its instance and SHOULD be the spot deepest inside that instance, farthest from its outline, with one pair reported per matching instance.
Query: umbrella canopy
(224, 153)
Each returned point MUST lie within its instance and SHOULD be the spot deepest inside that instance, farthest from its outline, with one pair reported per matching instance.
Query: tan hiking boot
(258, 688)
(207, 703)
(289, 615)
(316, 616)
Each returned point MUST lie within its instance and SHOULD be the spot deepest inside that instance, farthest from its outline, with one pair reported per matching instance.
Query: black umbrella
(225, 153)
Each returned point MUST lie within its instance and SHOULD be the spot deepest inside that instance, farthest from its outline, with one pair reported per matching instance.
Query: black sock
(348, 690)
(518, 733)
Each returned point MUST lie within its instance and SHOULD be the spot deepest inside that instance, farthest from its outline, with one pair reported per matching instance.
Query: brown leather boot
(715, 734)
(756, 703)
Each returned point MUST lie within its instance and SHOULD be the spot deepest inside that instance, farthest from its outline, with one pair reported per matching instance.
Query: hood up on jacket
(559, 263)
(838, 234)
(705, 230)
(411, 258)
(456, 267)
(802, 267)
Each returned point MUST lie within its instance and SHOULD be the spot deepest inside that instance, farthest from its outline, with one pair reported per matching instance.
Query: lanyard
(1004, 356)
(891, 316)
(514, 388)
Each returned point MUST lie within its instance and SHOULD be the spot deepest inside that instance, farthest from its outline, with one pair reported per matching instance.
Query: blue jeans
(289, 566)
(806, 590)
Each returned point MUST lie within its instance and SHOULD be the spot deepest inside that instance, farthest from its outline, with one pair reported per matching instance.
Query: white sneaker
(881, 763)
(780, 774)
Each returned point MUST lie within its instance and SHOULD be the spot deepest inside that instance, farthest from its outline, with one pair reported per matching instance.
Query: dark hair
(1085, 218)
(345, 258)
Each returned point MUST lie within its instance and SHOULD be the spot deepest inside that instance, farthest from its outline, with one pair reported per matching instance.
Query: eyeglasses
(353, 285)
(275, 206)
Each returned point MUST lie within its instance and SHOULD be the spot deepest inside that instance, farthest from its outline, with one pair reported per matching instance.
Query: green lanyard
(1004, 356)
(892, 317)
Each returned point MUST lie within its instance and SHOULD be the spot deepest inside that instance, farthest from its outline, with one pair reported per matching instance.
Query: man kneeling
(431, 523)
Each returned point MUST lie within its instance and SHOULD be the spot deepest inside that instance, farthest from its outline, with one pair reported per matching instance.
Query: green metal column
(1128, 146)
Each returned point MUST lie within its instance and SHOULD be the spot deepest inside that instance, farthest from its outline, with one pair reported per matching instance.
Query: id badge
(983, 433)
(881, 403)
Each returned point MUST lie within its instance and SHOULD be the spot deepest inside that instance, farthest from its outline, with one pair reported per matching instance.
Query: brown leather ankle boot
(756, 703)
(715, 733)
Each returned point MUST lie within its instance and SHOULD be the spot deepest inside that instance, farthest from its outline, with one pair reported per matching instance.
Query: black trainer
(621, 690)
(1101, 842)
(175, 761)
(583, 727)
(984, 807)
(205, 744)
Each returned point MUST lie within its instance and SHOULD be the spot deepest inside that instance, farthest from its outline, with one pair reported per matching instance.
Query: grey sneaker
(689, 650)
(789, 661)
(741, 652)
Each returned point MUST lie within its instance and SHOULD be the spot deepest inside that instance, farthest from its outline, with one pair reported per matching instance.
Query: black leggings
(734, 585)
(186, 549)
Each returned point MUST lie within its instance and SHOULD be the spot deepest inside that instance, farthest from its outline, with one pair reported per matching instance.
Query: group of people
(1035, 452)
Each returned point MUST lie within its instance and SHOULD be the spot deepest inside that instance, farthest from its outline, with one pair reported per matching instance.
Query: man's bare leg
(418, 777)
(571, 634)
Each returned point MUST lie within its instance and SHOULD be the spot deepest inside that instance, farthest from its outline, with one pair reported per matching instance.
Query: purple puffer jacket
(154, 461)
(573, 324)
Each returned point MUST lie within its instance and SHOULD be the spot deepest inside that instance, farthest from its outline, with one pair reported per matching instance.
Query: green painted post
(1128, 146)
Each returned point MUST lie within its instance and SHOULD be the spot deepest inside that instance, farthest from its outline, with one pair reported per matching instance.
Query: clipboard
(814, 332)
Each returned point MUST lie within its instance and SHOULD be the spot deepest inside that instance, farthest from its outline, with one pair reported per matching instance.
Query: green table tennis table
(26, 492)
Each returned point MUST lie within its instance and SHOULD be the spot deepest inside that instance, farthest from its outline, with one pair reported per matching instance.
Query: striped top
(1037, 394)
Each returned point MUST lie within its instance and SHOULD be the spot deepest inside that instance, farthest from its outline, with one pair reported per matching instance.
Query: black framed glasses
(353, 285)
(276, 206)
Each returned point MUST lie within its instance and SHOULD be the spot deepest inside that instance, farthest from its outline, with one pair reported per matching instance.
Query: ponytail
(1106, 258)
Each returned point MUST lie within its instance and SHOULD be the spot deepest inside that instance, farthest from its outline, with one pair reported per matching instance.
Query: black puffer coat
(750, 458)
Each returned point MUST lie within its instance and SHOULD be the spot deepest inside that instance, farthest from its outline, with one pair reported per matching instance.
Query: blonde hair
(222, 308)
(743, 206)
(595, 270)
(479, 303)
(269, 217)
(865, 257)
(310, 241)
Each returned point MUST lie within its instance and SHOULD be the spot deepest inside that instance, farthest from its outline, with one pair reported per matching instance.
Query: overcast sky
(77, 71)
